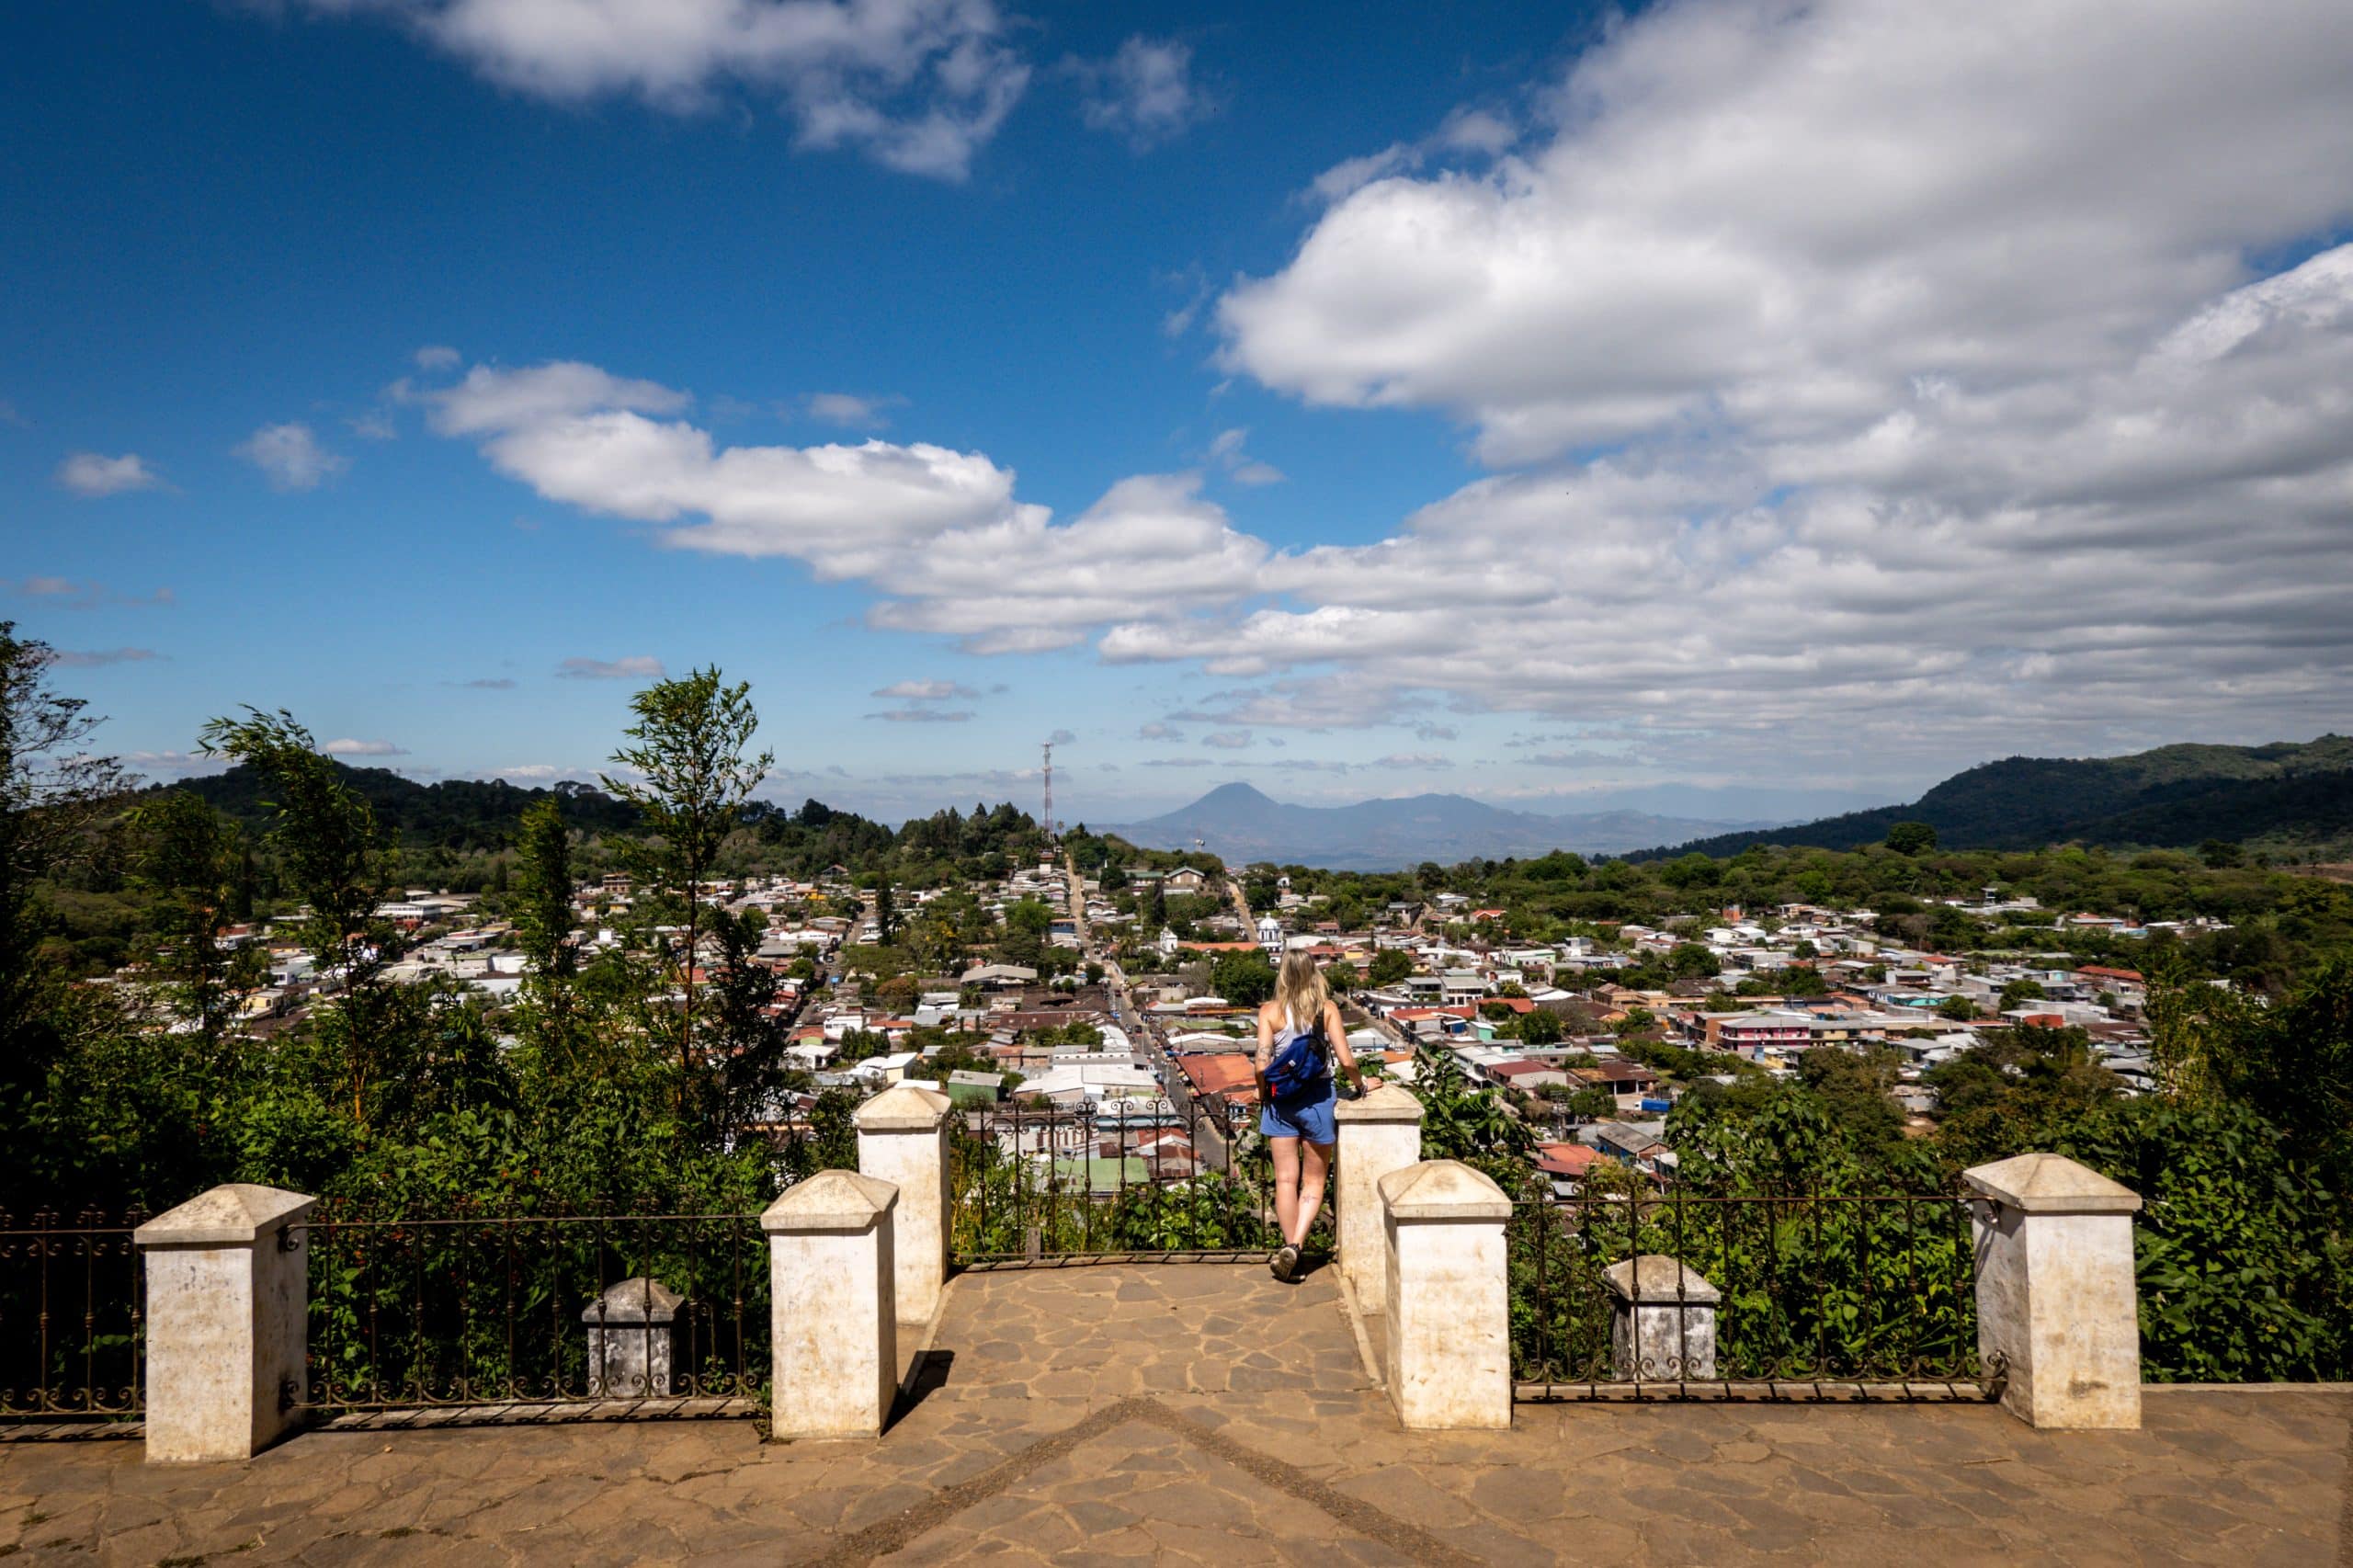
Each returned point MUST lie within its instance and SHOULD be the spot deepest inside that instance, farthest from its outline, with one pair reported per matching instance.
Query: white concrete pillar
(833, 1319)
(2055, 1293)
(903, 1138)
(228, 1308)
(1447, 1303)
(1380, 1133)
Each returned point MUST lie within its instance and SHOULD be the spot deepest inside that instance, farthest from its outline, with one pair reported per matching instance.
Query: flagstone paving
(1203, 1414)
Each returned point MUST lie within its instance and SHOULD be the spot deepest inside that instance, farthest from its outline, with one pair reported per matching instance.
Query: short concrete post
(1380, 1133)
(903, 1138)
(1663, 1319)
(2055, 1294)
(228, 1309)
(1447, 1303)
(629, 1339)
(833, 1317)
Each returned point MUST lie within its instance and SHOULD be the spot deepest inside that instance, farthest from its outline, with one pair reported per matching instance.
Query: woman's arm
(1337, 1033)
(1265, 1052)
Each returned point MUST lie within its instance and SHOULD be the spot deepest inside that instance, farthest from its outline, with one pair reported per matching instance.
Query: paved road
(1150, 1040)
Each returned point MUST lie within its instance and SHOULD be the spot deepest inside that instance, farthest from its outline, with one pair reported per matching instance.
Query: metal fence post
(228, 1304)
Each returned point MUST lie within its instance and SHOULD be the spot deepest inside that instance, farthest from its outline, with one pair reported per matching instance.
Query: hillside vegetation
(2288, 795)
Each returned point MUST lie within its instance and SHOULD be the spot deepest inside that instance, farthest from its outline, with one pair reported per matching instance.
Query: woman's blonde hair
(1298, 986)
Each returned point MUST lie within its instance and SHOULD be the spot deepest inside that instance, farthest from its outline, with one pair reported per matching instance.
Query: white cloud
(927, 691)
(1156, 731)
(437, 357)
(918, 85)
(1228, 740)
(348, 747)
(1226, 452)
(1062, 738)
(937, 531)
(1144, 92)
(94, 475)
(1781, 214)
(290, 458)
(851, 410)
(638, 667)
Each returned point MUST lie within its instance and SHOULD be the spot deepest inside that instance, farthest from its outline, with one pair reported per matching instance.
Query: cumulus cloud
(1144, 92)
(638, 667)
(1226, 452)
(938, 532)
(94, 475)
(349, 746)
(1228, 740)
(919, 85)
(437, 357)
(1061, 738)
(290, 458)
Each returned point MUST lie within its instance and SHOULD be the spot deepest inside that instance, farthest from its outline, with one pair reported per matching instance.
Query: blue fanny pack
(1299, 1065)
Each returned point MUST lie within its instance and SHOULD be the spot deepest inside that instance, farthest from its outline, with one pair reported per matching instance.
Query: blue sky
(1550, 407)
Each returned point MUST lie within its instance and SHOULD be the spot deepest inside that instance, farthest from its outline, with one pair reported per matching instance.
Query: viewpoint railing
(1031, 1186)
(72, 1294)
(1787, 1295)
(666, 1312)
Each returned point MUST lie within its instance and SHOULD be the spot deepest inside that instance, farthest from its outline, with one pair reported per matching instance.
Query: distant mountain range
(2289, 792)
(1240, 824)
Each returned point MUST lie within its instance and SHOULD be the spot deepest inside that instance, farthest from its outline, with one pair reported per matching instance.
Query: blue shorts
(1310, 1118)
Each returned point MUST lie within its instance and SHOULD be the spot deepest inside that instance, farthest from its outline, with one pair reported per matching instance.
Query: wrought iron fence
(1030, 1185)
(1801, 1295)
(670, 1309)
(72, 1326)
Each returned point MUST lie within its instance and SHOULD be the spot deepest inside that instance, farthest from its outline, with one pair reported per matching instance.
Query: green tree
(51, 793)
(1541, 1027)
(540, 898)
(1913, 838)
(329, 849)
(686, 771)
(1389, 966)
(1245, 979)
(186, 862)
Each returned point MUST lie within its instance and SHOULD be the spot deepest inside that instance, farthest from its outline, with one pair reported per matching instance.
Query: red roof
(2105, 973)
(1566, 1159)
(1217, 1074)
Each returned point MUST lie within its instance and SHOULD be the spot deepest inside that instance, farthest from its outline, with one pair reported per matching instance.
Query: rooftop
(1204, 1414)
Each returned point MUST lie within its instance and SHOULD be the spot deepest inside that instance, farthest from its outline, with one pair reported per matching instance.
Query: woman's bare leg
(1285, 1154)
(1307, 1193)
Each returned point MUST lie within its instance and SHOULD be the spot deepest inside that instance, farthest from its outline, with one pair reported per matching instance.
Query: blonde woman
(1299, 1036)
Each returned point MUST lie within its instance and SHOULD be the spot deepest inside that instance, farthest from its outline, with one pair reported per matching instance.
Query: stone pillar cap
(1652, 1279)
(2051, 1183)
(1387, 1103)
(830, 1200)
(238, 1212)
(634, 1301)
(902, 1108)
(1443, 1189)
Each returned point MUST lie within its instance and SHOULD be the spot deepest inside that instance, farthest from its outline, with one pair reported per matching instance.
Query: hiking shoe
(1286, 1264)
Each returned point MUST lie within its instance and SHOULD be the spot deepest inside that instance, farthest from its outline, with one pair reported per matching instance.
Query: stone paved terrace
(1205, 1415)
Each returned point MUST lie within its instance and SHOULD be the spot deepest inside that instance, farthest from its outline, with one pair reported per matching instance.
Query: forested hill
(477, 818)
(2287, 792)
(456, 813)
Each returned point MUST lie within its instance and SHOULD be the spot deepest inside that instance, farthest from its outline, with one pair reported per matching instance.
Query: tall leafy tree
(52, 791)
(190, 861)
(686, 771)
(333, 855)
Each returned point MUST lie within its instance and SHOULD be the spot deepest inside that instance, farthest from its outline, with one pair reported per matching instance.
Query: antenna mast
(1048, 823)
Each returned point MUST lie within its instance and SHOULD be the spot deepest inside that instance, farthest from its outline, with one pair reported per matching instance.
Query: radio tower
(1049, 824)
